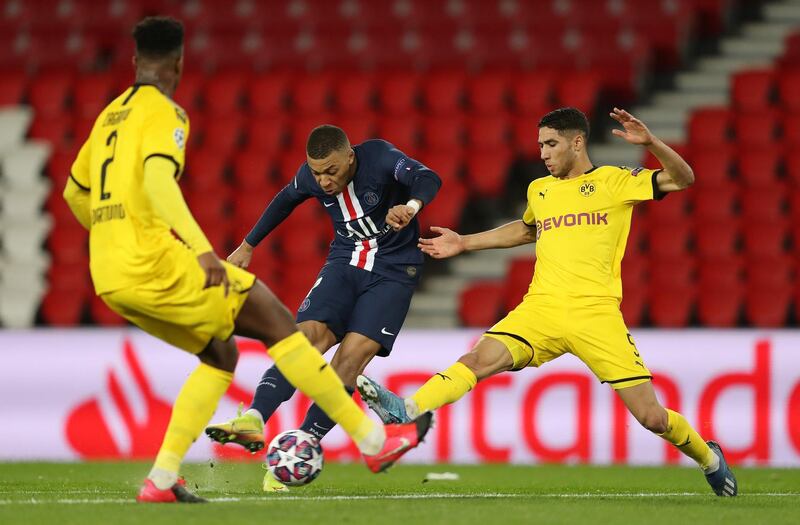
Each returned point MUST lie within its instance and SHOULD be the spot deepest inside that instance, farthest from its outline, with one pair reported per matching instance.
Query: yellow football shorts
(175, 307)
(542, 328)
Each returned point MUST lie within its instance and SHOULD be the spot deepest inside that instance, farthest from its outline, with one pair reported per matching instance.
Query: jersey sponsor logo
(180, 137)
(570, 219)
(371, 198)
(115, 117)
(587, 188)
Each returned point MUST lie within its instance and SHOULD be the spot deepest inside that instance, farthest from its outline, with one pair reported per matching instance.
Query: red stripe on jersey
(362, 257)
(348, 202)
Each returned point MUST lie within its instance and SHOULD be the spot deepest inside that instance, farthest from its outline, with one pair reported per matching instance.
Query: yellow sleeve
(161, 186)
(528, 217)
(79, 172)
(166, 133)
(635, 185)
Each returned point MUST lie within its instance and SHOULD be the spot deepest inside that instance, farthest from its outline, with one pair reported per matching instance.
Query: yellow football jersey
(128, 241)
(582, 227)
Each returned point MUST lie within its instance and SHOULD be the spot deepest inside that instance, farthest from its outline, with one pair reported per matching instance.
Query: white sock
(254, 412)
(373, 443)
(713, 466)
(412, 410)
(162, 479)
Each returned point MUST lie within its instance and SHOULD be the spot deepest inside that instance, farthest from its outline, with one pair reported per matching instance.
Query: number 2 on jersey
(106, 163)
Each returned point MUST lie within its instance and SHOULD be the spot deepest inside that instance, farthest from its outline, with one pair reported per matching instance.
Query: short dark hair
(325, 139)
(158, 37)
(566, 119)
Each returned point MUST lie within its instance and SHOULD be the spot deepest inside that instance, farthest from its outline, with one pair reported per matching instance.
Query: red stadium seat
(716, 239)
(447, 165)
(579, 89)
(68, 243)
(767, 308)
(532, 93)
(791, 129)
(189, 92)
(711, 165)
(445, 211)
(671, 209)
(398, 92)
(752, 90)
(710, 126)
(517, 281)
(224, 93)
(205, 170)
(311, 94)
(669, 240)
(669, 270)
(402, 131)
(789, 90)
(49, 92)
(56, 130)
(487, 172)
(634, 299)
(93, 93)
(792, 166)
(442, 92)
(759, 128)
(354, 93)
(634, 269)
(12, 87)
(224, 133)
(526, 136)
(714, 205)
(715, 273)
(488, 93)
(671, 307)
(268, 93)
(767, 203)
(765, 238)
(267, 135)
(63, 307)
(720, 307)
(760, 167)
(252, 171)
(444, 132)
(479, 303)
(300, 128)
(770, 271)
(490, 131)
(358, 126)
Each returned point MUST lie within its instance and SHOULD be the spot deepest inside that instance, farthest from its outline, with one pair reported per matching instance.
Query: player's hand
(399, 216)
(635, 131)
(447, 244)
(241, 256)
(215, 271)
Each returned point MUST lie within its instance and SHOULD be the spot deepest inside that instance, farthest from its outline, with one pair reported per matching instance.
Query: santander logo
(107, 426)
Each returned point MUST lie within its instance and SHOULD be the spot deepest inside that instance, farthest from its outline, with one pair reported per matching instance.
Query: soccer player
(372, 193)
(579, 218)
(123, 188)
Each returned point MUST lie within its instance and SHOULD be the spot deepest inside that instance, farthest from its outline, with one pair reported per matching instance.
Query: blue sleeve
(424, 184)
(281, 206)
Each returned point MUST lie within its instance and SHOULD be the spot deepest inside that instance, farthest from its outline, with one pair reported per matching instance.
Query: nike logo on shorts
(385, 332)
(328, 204)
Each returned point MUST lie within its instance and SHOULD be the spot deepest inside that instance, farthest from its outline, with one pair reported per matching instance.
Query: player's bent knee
(655, 420)
(264, 317)
(223, 355)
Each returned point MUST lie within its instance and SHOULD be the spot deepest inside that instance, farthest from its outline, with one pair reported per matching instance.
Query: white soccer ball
(295, 458)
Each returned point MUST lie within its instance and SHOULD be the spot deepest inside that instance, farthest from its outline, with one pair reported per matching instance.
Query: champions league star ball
(294, 458)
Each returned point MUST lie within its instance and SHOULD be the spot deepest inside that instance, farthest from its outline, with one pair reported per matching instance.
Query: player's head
(563, 135)
(330, 158)
(159, 52)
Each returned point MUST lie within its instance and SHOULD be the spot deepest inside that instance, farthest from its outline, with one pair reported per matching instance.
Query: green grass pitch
(103, 493)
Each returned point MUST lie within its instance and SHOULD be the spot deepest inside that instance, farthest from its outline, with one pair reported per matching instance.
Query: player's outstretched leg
(193, 407)
(670, 425)
(389, 406)
(263, 317)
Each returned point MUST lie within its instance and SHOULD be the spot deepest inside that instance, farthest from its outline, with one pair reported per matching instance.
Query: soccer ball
(294, 458)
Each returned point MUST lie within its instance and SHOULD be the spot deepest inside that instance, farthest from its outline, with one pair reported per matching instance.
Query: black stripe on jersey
(627, 379)
(81, 186)
(657, 193)
(131, 94)
(528, 225)
(521, 340)
(170, 158)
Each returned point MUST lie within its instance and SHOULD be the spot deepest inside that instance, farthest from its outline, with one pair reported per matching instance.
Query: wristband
(413, 203)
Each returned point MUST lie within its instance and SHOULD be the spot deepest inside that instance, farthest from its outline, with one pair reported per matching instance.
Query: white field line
(36, 499)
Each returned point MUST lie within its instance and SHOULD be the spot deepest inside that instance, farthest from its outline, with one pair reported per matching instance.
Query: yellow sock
(191, 412)
(686, 439)
(304, 367)
(445, 387)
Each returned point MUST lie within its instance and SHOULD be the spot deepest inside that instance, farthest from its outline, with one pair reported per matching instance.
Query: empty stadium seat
(714, 205)
(444, 132)
(354, 93)
(224, 93)
(487, 171)
(488, 131)
(62, 307)
(398, 92)
(711, 164)
(268, 93)
(752, 90)
(765, 238)
(670, 239)
(519, 274)
(93, 93)
(480, 303)
(634, 299)
(671, 307)
(442, 92)
(714, 239)
(710, 126)
(757, 128)
(12, 87)
(767, 308)
(720, 307)
(789, 90)
(488, 93)
(532, 93)
(760, 166)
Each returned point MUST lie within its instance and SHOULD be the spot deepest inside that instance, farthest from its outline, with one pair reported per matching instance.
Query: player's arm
(423, 184)
(450, 243)
(76, 191)
(276, 212)
(676, 174)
